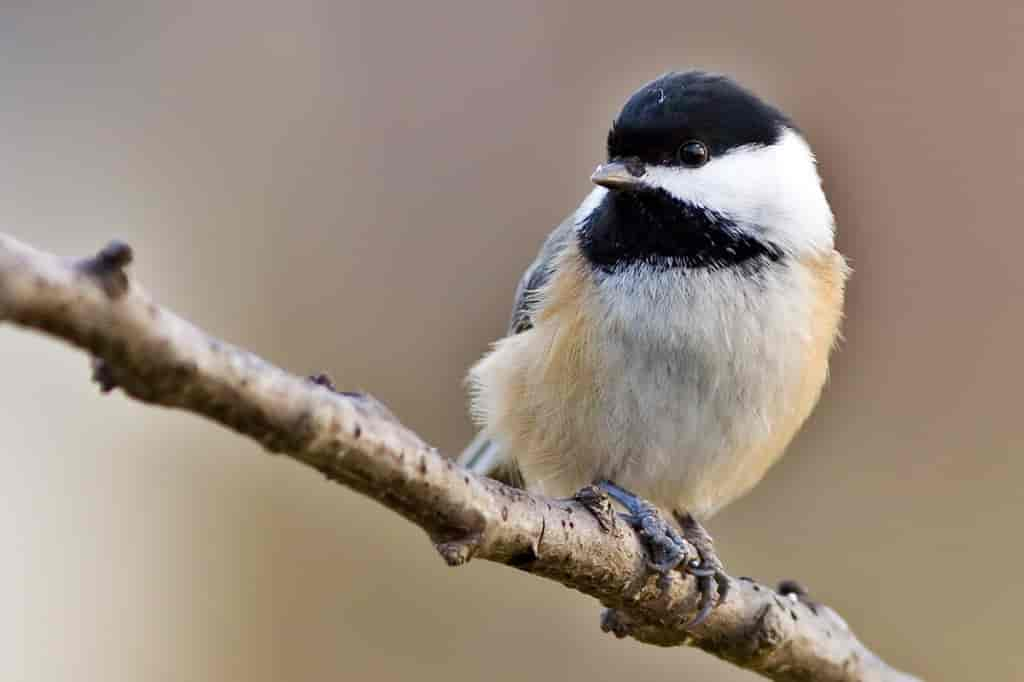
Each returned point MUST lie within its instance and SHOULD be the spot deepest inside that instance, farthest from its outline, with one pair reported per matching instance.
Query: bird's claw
(667, 548)
(708, 569)
(691, 551)
(710, 580)
(697, 569)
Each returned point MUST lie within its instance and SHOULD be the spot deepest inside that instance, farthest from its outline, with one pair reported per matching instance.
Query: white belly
(686, 389)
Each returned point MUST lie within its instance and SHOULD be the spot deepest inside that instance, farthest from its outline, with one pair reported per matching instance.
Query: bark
(159, 358)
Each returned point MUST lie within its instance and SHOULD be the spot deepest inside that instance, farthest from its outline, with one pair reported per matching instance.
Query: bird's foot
(668, 549)
(708, 568)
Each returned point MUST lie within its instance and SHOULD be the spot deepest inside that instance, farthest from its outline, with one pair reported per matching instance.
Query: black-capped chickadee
(674, 333)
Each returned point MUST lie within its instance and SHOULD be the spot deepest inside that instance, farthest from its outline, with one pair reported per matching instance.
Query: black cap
(693, 105)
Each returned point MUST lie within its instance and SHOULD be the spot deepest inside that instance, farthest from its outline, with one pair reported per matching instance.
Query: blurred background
(354, 187)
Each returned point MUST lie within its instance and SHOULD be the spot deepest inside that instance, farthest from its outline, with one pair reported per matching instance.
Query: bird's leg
(707, 569)
(668, 549)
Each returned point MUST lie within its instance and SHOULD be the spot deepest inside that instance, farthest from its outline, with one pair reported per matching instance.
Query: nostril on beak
(635, 167)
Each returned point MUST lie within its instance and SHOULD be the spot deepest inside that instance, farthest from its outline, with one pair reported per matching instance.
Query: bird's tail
(482, 456)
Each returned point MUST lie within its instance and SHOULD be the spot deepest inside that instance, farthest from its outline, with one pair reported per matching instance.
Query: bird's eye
(693, 154)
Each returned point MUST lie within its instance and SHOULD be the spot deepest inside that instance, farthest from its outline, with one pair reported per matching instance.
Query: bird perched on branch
(674, 332)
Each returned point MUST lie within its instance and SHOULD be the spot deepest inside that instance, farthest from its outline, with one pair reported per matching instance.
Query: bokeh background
(354, 187)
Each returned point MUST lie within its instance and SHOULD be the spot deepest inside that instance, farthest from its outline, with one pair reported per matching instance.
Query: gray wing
(537, 275)
(485, 456)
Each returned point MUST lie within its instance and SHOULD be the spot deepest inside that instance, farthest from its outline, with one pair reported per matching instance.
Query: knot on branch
(617, 623)
(102, 375)
(107, 268)
(768, 633)
(797, 592)
(323, 379)
(458, 551)
(599, 505)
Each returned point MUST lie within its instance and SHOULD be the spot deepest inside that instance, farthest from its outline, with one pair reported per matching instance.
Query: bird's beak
(618, 175)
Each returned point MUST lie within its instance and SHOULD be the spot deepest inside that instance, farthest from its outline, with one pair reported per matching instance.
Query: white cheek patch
(592, 201)
(772, 191)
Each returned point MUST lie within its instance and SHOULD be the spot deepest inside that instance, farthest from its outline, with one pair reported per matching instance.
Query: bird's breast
(682, 385)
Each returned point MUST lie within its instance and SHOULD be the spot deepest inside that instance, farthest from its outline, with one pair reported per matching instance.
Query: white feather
(772, 190)
(589, 203)
(700, 366)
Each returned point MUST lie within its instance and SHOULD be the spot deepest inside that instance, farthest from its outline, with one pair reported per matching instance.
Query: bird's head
(702, 173)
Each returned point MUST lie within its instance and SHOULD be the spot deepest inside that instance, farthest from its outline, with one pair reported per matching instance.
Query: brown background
(354, 188)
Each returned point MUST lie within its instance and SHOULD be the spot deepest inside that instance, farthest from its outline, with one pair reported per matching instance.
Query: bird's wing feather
(537, 275)
(483, 455)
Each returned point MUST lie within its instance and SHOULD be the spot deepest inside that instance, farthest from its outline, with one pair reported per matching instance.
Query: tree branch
(157, 357)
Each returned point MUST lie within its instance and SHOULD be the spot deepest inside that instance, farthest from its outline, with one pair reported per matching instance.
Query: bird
(674, 332)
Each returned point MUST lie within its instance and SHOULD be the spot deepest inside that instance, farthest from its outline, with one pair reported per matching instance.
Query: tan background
(354, 187)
